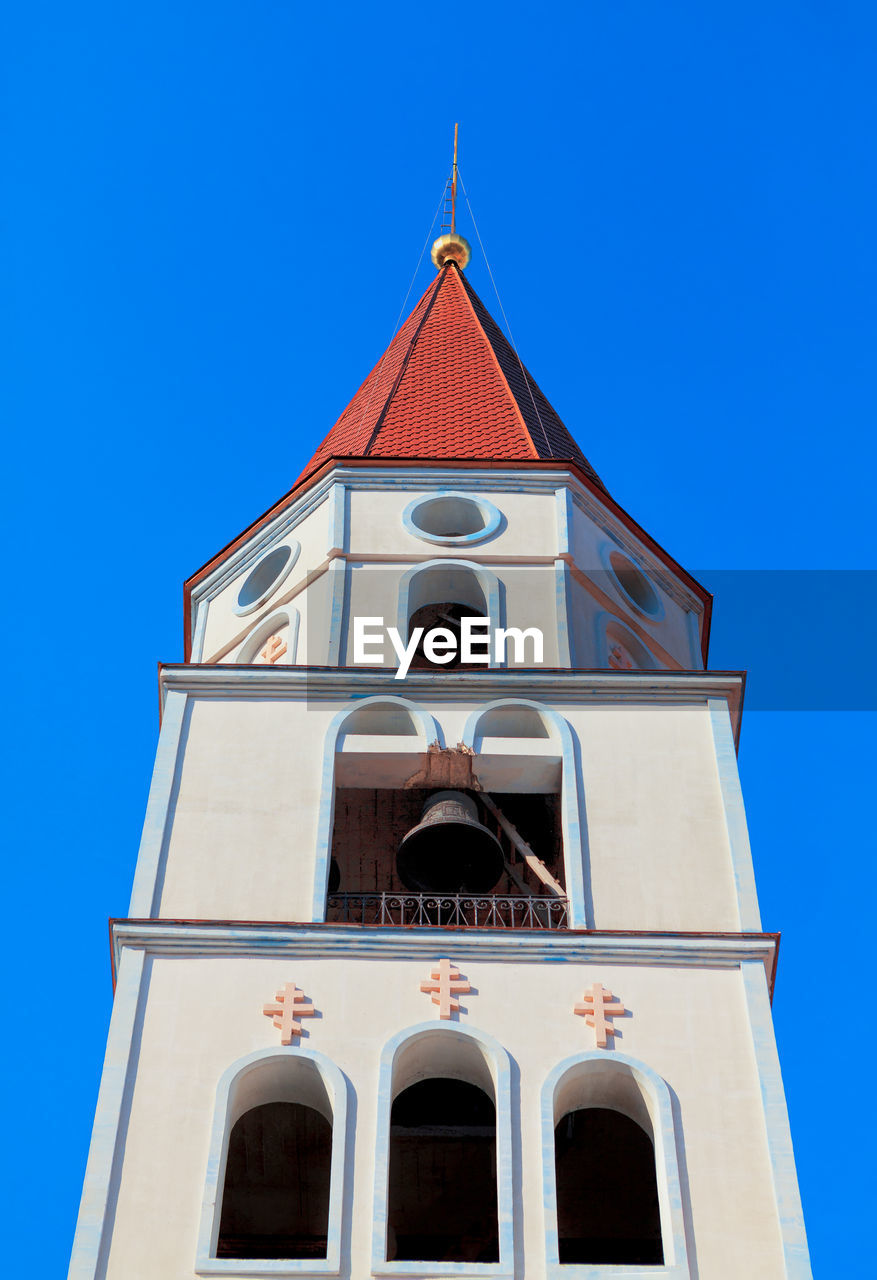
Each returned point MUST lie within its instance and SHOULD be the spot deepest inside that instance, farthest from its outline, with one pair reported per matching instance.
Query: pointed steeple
(450, 386)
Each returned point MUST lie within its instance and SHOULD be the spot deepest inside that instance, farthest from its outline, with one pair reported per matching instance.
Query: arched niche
(258, 649)
(526, 746)
(611, 1098)
(379, 742)
(439, 592)
(300, 1079)
(430, 1052)
(619, 648)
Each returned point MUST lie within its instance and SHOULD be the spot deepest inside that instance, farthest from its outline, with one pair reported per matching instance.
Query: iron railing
(473, 911)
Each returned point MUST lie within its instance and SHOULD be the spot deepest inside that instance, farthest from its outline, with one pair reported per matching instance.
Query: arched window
(439, 595)
(443, 1166)
(442, 1183)
(527, 748)
(276, 1169)
(607, 1191)
(612, 1189)
(371, 750)
(275, 1196)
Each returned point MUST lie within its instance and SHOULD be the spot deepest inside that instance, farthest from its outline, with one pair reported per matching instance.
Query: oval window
(634, 583)
(265, 578)
(452, 518)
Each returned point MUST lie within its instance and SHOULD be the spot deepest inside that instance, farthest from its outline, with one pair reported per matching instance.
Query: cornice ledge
(332, 681)
(206, 938)
(322, 684)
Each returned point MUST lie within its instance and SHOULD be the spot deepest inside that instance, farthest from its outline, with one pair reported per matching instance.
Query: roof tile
(449, 385)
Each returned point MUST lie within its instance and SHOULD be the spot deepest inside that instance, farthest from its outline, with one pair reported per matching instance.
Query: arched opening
(464, 1216)
(625, 651)
(273, 642)
(275, 1170)
(524, 761)
(512, 720)
(607, 1190)
(611, 1186)
(383, 718)
(275, 1199)
(442, 1194)
(438, 597)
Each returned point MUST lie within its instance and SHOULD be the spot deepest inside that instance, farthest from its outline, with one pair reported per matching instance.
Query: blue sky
(211, 215)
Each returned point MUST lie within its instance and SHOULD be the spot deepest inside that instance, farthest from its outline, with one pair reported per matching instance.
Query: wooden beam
(536, 865)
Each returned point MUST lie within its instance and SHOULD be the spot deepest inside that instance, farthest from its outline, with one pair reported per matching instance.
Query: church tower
(444, 956)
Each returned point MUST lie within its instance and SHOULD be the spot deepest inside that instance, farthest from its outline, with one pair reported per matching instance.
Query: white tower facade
(458, 972)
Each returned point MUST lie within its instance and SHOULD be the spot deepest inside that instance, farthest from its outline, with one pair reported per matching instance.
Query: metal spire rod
(454, 185)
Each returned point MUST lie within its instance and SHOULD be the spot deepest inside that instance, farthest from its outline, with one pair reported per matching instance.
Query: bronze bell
(449, 851)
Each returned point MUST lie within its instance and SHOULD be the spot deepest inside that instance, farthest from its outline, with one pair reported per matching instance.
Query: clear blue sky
(211, 216)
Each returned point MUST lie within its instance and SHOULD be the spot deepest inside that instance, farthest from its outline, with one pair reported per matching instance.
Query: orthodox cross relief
(620, 659)
(289, 1005)
(274, 650)
(598, 1005)
(444, 986)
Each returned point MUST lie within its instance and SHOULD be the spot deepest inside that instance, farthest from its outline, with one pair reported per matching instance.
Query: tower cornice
(394, 942)
(327, 684)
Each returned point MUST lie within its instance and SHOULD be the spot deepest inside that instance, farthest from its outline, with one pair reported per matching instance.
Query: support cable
(377, 376)
(505, 318)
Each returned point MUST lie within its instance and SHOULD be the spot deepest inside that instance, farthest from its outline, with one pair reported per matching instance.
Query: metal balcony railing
(462, 910)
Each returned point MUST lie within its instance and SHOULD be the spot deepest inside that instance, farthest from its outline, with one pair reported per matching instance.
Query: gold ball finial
(451, 248)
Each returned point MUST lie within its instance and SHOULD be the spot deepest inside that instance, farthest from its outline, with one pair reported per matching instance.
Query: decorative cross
(620, 659)
(274, 650)
(598, 1003)
(445, 985)
(289, 1005)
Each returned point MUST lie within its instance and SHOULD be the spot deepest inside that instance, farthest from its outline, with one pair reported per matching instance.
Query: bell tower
(443, 956)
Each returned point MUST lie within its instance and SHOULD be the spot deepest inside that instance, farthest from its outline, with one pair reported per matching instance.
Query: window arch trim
(573, 817)
(656, 1096)
(207, 1264)
(486, 579)
(429, 732)
(288, 617)
(602, 622)
(498, 1065)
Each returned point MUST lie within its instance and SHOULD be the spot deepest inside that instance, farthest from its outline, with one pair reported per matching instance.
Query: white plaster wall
(376, 528)
(225, 630)
(671, 631)
(659, 856)
(531, 532)
(244, 824)
(689, 1025)
(529, 595)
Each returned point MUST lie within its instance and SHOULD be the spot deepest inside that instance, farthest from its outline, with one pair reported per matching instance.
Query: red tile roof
(449, 386)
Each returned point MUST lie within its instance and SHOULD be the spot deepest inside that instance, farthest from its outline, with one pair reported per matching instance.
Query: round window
(452, 519)
(634, 583)
(267, 575)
